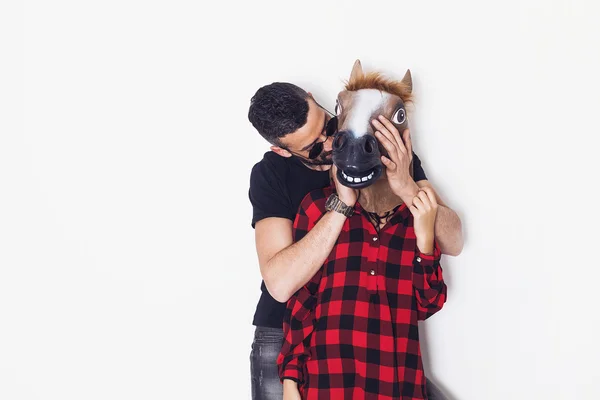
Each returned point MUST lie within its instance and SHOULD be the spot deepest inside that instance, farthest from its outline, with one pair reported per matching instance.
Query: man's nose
(328, 144)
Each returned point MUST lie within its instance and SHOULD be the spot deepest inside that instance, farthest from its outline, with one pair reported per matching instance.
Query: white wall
(127, 262)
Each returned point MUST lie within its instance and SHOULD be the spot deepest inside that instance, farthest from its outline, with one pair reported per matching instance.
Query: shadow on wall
(424, 334)
(424, 339)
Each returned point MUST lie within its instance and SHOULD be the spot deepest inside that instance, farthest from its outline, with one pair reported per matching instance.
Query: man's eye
(399, 116)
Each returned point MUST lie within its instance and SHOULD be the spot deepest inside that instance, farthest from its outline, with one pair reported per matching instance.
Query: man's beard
(323, 159)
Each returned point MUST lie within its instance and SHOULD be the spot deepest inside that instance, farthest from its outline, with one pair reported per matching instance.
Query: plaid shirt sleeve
(430, 289)
(299, 314)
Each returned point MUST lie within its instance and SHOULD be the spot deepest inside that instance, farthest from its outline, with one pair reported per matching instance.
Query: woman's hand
(424, 209)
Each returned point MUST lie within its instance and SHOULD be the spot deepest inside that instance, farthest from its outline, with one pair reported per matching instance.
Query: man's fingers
(383, 129)
(390, 127)
(388, 135)
(389, 164)
(334, 170)
(407, 141)
(388, 145)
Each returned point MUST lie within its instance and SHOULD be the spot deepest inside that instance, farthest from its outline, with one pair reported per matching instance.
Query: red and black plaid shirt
(351, 332)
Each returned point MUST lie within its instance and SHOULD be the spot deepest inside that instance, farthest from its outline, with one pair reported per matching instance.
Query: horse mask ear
(357, 71)
(407, 80)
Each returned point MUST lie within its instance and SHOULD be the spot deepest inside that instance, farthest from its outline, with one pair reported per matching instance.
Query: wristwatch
(335, 204)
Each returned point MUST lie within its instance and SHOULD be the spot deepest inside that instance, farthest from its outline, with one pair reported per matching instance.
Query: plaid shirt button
(375, 239)
(372, 272)
(418, 259)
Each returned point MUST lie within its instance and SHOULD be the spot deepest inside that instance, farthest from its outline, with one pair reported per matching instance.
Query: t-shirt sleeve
(418, 172)
(268, 194)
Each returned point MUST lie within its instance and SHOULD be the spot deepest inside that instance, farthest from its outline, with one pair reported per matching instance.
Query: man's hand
(346, 194)
(290, 390)
(424, 209)
(397, 166)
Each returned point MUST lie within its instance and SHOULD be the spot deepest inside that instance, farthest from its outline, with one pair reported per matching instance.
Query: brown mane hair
(375, 80)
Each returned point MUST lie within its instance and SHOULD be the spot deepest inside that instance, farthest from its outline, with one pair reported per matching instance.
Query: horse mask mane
(356, 151)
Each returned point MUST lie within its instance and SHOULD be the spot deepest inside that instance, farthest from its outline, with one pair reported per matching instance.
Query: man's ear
(281, 152)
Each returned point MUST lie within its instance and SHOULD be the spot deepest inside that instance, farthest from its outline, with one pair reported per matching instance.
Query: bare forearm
(448, 231)
(295, 265)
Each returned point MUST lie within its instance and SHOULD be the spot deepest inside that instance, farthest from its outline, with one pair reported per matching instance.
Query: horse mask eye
(399, 116)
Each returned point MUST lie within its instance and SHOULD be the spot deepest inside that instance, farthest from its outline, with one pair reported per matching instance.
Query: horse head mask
(356, 151)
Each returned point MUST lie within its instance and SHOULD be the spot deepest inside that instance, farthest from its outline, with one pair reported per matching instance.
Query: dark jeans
(263, 367)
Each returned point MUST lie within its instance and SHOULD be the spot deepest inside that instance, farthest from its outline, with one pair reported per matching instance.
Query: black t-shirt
(277, 187)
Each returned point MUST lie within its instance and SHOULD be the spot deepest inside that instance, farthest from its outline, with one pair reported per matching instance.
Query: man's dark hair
(277, 110)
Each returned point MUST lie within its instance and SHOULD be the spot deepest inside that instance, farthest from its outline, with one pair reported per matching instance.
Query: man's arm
(448, 227)
(286, 266)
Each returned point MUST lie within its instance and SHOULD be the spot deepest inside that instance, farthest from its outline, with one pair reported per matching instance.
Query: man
(299, 162)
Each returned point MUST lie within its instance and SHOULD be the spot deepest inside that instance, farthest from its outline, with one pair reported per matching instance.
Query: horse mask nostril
(370, 144)
(339, 141)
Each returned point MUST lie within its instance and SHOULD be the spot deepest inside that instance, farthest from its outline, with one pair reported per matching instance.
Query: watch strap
(335, 204)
